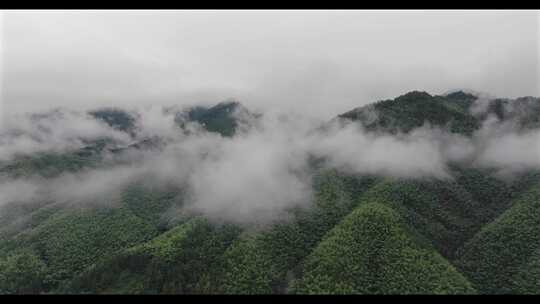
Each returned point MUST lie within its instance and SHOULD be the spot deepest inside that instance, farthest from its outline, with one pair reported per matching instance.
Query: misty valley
(420, 194)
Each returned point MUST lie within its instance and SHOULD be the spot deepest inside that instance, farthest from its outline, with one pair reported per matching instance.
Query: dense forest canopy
(421, 194)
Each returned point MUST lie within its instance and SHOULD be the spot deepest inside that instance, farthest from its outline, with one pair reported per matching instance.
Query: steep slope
(361, 234)
(22, 273)
(414, 109)
(493, 194)
(372, 252)
(256, 262)
(182, 260)
(526, 279)
(441, 211)
(116, 118)
(265, 262)
(50, 164)
(223, 118)
(505, 249)
(69, 239)
(523, 111)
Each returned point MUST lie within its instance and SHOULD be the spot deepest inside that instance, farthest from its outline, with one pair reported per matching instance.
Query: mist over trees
(410, 195)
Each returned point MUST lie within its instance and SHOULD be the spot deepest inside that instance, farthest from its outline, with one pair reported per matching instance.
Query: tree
(21, 273)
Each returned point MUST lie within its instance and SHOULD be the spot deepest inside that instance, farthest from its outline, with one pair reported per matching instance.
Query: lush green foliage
(361, 234)
(21, 273)
(265, 262)
(185, 259)
(415, 109)
(218, 118)
(440, 211)
(70, 239)
(500, 251)
(370, 252)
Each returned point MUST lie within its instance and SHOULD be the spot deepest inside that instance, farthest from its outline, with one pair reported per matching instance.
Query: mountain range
(475, 231)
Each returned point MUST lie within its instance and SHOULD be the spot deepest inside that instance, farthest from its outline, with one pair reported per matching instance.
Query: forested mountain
(475, 231)
(116, 118)
(223, 118)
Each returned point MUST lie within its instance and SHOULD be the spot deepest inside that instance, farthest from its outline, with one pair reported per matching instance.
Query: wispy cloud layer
(263, 170)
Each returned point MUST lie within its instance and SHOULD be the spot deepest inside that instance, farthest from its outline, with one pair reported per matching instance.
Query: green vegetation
(471, 233)
(492, 194)
(219, 118)
(265, 262)
(414, 109)
(116, 118)
(370, 252)
(185, 259)
(527, 278)
(21, 273)
(440, 211)
(525, 111)
(505, 249)
(70, 239)
(50, 164)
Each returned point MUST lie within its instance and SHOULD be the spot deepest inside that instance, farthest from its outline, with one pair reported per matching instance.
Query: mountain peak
(115, 117)
(460, 95)
(219, 118)
(227, 106)
(414, 95)
(414, 109)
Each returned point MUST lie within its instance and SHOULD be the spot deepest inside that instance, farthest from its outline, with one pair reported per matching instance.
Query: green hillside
(219, 118)
(371, 252)
(506, 248)
(473, 232)
(116, 118)
(69, 239)
(415, 109)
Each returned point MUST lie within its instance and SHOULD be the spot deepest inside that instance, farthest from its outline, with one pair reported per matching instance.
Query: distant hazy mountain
(455, 111)
(223, 118)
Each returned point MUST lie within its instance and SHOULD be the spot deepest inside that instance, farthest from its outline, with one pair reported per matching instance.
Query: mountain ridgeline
(472, 233)
(454, 111)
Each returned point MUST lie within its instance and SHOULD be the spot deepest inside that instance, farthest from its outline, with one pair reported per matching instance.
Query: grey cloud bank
(263, 172)
(318, 62)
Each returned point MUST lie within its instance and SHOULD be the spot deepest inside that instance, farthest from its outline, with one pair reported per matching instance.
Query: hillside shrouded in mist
(274, 193)
(270, 152)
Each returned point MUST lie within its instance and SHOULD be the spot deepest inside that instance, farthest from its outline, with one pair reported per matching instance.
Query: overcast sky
(320, 62)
